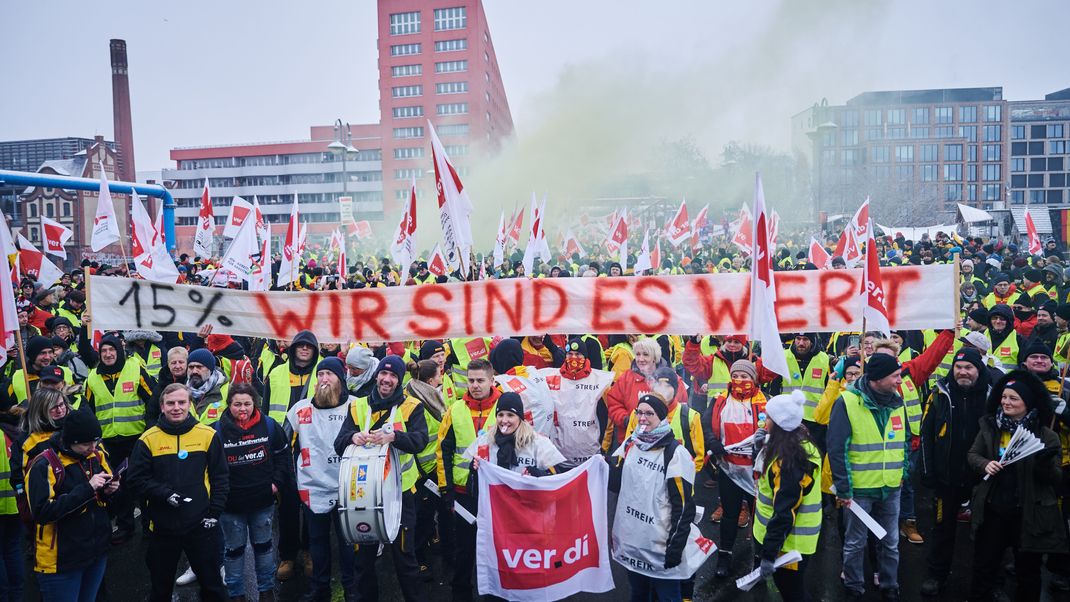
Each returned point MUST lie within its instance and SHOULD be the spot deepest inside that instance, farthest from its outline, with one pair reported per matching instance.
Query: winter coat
(948, 430)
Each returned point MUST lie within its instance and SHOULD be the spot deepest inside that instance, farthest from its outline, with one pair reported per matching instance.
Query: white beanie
(786, 410)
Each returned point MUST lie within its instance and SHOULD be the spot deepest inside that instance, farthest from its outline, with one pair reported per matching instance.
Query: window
(943, 115)
(403, 23)
(874, 133)
(410, 132)
(944, 131)
(928, 172)
(1018, 197)
(904, 154)
(971, 193)
(411, 152)
(1037, 131)
(1036, 180)
(992, 133)
(849, 119)
(50, 210)
(920, 116)
(968, 114)
(850, 137)
(953, 192)
(897, 116)
(408, 173)
(451, 45)
(406, 70)
(953, 172)
(404, 49)
(457, 129)
(969, 132)
(1057, 180)
(456, 150)
(990, 192)
(971, 173)
(953, 152)
(1017, 164)
(992, 152)
(66, 209)
(991, 172)
(1055, 196)
(1055, 164)
(1036, 148)
(927, 152)
(851, 156)
(451, 88)
(451, 66)
(1055, 130)
(919, 132)
(33, 210)
(993, 113)
(1038, 164)
(406, 112)
(872, 117)
(407, 91)
(453, 108)
(1018, 181)
(451, 18)
(879, 154)
(1057, 147)
(897, 133)
(904, 172)
(1036, 196)
(1017, 132)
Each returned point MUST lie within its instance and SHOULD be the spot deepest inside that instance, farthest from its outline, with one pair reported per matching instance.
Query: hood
(307, 338)
(120, 360)
(1003, 310)
(507, 355)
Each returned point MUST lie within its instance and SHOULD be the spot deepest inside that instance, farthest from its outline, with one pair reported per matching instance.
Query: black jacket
(410, 441)
(187, 459)
(948, 428)
(257, 457)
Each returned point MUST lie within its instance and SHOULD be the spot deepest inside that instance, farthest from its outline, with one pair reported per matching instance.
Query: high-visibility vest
(1007, 352)
(282, 381)
(807, 525)
(875, 458)
(812, 383)
(426, 458)
(1061, 348)
(76, 322)
(466, 350)
(121, 414)
(992, 300)
(7, 492)
(213, 411)
(266, 361)
(464, 435)
(720, 376)
(359, 411)
(912, 403)
(18, 383)
(706, 346)
(153, 362)
(587, 337)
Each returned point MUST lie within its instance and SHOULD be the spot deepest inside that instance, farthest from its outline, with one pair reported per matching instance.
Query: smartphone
(853, 340)
(122, 468)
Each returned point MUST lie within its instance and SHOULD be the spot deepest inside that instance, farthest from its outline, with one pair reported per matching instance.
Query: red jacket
(623, 396)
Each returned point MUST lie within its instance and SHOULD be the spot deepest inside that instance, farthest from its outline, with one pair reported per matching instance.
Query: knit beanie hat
(390, 363)
(655, 404)
(35, 346)
(510, 402)
(745, 366)
(330, 363)
(576, 345)
(1037, 347)
(881, 365)
(80, 426)
(1033, 275)
(1063, 311)
(430, 348)
(970, 355)
(786, 410)
(203, 357)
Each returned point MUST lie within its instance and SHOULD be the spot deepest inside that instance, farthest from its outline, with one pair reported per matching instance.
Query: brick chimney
(120, 100)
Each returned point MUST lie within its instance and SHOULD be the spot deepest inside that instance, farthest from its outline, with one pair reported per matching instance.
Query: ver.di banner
(917, 297)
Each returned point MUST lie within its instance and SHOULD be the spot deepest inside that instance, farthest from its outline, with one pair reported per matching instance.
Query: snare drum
(369, 494)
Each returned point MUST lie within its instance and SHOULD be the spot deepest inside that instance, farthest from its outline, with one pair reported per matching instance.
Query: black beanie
(576, 345)
(971, 355)
(1037, 347)
(80, 426)
(669, 375)
(510, 402)
(1033, 275)
(430, 348)
(980, 315)
(655, 404)
(1063, 311)
(35, 346)
(334, 365)
(880, 365)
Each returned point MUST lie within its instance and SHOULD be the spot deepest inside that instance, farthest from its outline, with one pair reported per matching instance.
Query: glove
(716, 448)
(672, 561)
(174, 499)
(767, 568)
(759, 438)
(209, 523)
(915, 443)
(696, 339)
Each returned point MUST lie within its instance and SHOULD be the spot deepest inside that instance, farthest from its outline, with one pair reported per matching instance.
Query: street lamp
(342, 146)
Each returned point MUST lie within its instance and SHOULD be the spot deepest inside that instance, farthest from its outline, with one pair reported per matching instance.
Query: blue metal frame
(23, 178)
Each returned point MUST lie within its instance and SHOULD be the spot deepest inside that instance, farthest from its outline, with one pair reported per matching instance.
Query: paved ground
(127, 578)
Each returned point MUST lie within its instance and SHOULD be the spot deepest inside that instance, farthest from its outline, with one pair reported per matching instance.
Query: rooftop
(907, 97)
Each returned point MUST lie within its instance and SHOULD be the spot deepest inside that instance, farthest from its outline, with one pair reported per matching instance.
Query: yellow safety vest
(1007, 352)
(359, 412)
(426, 458)
(912, 402)
(7, 492)
(720, 377)
(464, 435)
(466, 350)
(812, 383)
(875, 458)
(807, 526)
(18, 383)
(121, 414)
(153, 362)
(282, 381)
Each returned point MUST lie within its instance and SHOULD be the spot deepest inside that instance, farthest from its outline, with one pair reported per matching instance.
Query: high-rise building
(437, 63)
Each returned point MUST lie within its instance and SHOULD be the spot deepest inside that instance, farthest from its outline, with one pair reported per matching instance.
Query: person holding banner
(653, 532)
(513, 444)
(402, 416)
(787, 510)
(1017, 505)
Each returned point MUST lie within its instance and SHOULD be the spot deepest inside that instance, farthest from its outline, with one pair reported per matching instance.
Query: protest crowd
(217, 446)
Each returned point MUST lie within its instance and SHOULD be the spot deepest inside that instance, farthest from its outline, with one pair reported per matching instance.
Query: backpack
(48, 455)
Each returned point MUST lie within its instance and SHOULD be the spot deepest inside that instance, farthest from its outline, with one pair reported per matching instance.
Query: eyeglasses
(647, 414)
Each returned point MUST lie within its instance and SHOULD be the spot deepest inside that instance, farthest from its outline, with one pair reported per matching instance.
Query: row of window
(418, 89)
(1055, 147)
(287, 199)
(445, 19)
(456, 129)
(849, 136)
(417, 152)
(50, 209)
(921, 115)
(414, 48)
(1036, 180)
(1037, 196)
(1038, 131)
(1037, 164)
(294, 159)
(930, 152)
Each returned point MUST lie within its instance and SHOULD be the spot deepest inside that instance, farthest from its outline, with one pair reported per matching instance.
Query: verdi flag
(55, 236)
(763, 319)
(454, 207)
(202, 240)
(105, 225)
(678, 230)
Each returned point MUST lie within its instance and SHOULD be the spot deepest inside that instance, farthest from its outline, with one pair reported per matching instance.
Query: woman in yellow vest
(787, 510)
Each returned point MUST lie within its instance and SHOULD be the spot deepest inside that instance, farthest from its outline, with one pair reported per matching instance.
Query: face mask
(575, 365)
(742, 389)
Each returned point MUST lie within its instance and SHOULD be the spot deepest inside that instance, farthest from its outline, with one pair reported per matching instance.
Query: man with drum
(313, 425)
(388, 416)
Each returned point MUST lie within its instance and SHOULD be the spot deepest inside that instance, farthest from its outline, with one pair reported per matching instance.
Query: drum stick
(430, 485)
(463, 513)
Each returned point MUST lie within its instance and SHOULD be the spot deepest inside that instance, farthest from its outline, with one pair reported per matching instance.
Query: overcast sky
(233, 71)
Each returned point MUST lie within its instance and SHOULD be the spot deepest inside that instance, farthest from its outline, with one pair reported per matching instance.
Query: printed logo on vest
(476, 348)
(304, 415)
(815, 373)
(897, 423)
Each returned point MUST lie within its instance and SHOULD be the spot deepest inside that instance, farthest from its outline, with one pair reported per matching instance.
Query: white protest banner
(543, 538)
(746, 582)
(917, 297)
(345, 209)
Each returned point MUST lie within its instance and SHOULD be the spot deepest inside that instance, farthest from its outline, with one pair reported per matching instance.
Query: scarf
(506, 449)
(544, 352)
(647, 440)
(1009, 425)
(576, 370)
(363, 359)
(430, 396)
(249, 422)
(648, 377)
(213, 380)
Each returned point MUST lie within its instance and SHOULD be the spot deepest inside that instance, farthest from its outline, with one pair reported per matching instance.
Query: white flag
(401, 247)
(34, 263)
(763, 323)
(619, 236)
(239, 210)
(290, 268)
(149, 252)
(544, 248)
(241, 257)
(642, 261)
(533, 248)
(9, 320)
(55, 235)
(499, 242)
(263, 230)
(105, 225)
(202, 240)
(454, 208)
(260, 278)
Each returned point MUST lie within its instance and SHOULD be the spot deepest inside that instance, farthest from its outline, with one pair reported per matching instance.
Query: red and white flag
(361, 229)
(655, 257)
(9, 319)
(260, 278)
(696, 227)
(203, 242)
(262, 228)
(437, 264)
(678, 230)
(239, 210)
(855, 234)
(499, 241)
(516, 226)
(744, 227)
(454, 206)
(401, 248)
(150, 255)
(818, 255)
(241, 258)
(34, 263)
(289, 267)
(105, 224)
(874, 312)
(55, 235)
(535, 239)
(619, 237)
(543, 539)
(157, 225)
(642, 260)
(573, 246)
(763, 323)
(1035, 247)
(342, 265)
(774, 227)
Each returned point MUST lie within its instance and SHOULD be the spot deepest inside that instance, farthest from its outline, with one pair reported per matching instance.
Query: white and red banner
(454, 207)
(874, 313)
(573, 246)
(404, 235)
(916, 297)
(147, 248)
(763, 326)
(289, 268)
(619, 237)
(9, 320)
(1031, 231)
(697, 226)
(818, 256)
(55, 235)
(541, 539)
(239, 210)
(34, 263)
(499, 241)
(105, 224)
(678, 230)
(642, 260)
(202, 240)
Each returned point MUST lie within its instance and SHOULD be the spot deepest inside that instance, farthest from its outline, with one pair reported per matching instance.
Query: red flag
(572, 245)
(517, 226)
(9, 320)
(437, 264)
(34, 263)
(620, 231)
(872, 290)
(763, 322)
(55, 235)
(857, 232)
(818, 255)
(679, 229)
(361, 229)
(202, 240)
(291, 255)
(744, 228)
(697, 226)
(655, 257)
(1034, 239)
